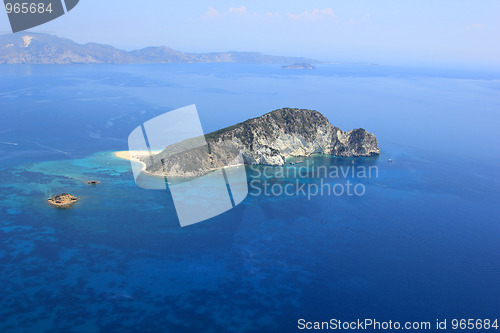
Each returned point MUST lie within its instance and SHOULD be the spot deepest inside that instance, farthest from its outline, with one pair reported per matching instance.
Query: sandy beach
(135, 155)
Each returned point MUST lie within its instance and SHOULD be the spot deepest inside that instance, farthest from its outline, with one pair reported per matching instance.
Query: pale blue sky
(412, 32)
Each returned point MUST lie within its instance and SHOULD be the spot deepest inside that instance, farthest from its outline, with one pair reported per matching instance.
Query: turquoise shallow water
(421, 244)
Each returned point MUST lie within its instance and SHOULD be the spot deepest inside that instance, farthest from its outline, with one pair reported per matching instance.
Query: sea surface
(422, 242)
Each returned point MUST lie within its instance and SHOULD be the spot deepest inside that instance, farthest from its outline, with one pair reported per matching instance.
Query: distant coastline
(39, 48)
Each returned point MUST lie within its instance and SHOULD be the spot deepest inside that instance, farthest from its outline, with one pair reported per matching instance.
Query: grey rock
(266, 140)
(301, 65)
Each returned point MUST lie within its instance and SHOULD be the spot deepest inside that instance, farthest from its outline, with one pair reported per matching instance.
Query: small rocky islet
(301, 65)
(64, 200)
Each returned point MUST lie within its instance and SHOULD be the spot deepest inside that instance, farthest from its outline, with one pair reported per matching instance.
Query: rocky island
(302, 65)
(64, 200)
(266, 140)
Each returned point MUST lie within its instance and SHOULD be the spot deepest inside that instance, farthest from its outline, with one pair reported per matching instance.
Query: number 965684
(28, 8)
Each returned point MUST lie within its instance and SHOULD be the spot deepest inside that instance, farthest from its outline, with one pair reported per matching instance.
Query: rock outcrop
(302, 65)
(266, 140)
(64, 200)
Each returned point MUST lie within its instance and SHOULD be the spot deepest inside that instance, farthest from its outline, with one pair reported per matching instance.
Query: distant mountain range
(38, 48)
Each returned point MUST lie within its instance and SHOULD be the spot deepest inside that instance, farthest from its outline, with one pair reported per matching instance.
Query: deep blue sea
(423, 242)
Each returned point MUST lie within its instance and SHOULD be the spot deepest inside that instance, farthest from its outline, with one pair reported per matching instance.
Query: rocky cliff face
(266, 140)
